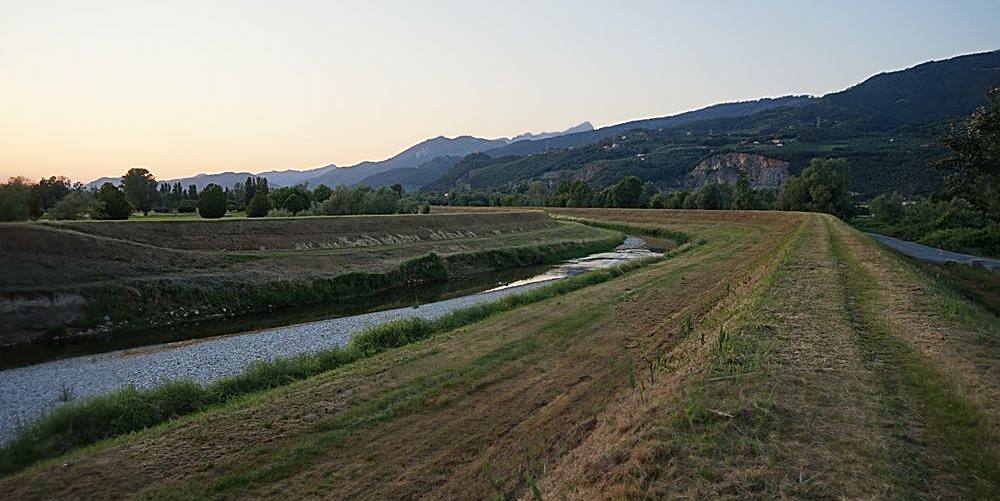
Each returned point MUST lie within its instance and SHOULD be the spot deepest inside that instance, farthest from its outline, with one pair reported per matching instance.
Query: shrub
(258, 205)
(280, 213)
(212, 202)
(111, 203)
(14, 196)
(187, 206)
(73, 206)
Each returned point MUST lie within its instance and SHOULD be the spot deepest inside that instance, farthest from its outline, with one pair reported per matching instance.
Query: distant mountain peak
(528, 136)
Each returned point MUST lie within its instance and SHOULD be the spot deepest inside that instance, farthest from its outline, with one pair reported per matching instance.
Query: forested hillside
(887, 127)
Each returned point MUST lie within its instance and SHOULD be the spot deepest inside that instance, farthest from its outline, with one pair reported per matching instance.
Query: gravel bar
(26, 393)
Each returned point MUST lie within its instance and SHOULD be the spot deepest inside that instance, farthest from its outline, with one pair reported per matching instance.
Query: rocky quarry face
(763, 172)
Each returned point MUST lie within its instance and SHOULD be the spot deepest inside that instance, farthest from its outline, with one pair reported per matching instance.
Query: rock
(762, 171)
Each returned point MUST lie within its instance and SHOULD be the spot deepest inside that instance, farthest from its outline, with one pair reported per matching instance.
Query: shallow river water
(29, 392)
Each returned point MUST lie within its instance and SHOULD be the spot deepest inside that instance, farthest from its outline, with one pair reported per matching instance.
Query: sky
(91, 88)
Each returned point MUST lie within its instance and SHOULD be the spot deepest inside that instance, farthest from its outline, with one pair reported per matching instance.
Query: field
(106, 276)
(776, 355)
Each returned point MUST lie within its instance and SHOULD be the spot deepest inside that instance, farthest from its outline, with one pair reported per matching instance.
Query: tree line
(965, 215)
(822, 187)
(58, 198)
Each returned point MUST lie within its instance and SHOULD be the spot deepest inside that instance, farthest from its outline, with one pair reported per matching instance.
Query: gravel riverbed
(26, 393)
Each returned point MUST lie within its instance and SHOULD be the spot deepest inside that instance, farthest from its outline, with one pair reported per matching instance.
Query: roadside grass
(88, 421)
(975, 283)
(956, 424)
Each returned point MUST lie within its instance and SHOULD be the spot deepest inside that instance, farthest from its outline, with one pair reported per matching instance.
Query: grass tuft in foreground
(129, 410)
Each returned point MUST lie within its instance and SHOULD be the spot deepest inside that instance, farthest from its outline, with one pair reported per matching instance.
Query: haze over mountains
(887, 126)
(332, 175)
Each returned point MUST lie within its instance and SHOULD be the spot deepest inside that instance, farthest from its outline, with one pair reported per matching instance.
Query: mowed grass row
(129, 410)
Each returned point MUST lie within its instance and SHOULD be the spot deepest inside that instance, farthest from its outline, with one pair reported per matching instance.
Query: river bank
(29, 392)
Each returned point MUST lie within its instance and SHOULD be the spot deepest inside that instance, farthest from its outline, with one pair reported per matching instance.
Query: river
(26, 393)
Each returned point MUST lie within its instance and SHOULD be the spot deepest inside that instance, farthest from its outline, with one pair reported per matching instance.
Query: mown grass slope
(786, 356)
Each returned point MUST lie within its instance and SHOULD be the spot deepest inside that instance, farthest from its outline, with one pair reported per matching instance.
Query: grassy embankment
(788, 356)
(530, 344)
(138, 274)
(130, 410)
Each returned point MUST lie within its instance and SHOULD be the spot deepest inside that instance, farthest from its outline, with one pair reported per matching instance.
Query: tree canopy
(212, 202)
(140, 189)
(973, 166)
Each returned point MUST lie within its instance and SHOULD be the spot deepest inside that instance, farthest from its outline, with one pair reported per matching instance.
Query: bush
(73, 206)
(111, 203)
(292, 199)
(14, 196)
(979, 241)
(280, 213)
(258, 205)
(187, 206)
(212, 202)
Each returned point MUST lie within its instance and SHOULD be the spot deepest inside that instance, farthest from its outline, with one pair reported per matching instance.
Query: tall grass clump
(85, 422)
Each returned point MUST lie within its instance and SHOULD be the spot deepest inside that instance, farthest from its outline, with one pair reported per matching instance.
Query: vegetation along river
(30, 391)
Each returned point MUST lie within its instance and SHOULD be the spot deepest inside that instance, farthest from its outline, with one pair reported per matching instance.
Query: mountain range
(411, 158)
(887, 126)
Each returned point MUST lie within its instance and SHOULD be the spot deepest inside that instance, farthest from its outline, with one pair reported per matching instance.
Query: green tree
(626, 192)
(46, 194)
(743, 194)
(140, 189)
(212, 202)
(292, 199)
(381, 201)
(321, 193)
(887, 208)
(338, 203)
(973, 167)
(579, 195)
(676, 200)
(646, 194)
(657, 201)
(72, 206)
(14, 198)
(111, 203)
(258, 205)
(713, 196)
(822, 187)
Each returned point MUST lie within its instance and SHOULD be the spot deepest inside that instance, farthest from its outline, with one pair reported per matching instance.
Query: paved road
(934, 254)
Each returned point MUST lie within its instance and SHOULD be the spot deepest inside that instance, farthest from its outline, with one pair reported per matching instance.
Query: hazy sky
(90, 88)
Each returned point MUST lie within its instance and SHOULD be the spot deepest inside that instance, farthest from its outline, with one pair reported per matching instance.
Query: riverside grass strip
(129, 410)
(153, 303)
